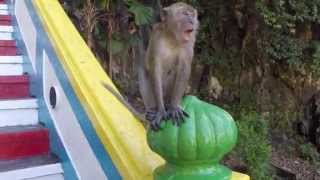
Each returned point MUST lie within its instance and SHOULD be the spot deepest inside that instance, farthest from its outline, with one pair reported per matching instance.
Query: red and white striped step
(4, 6)
(23, 141)
(14, 87)
(11, 65)
(4, 10)
(6, 28)
(18, 112)
(7, 47)
(8, 43)
(24, 144)
(5, 20)
(44, 167)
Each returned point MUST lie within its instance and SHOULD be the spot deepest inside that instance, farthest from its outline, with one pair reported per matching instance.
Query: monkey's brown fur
(165, 71)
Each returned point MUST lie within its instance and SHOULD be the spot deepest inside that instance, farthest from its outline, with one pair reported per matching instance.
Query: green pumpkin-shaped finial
(194, 149)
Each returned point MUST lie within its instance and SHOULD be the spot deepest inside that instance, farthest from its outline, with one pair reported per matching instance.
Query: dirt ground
(301, 168)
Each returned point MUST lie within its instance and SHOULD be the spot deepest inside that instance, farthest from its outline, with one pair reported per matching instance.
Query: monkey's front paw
(177, 115)
(155, 118)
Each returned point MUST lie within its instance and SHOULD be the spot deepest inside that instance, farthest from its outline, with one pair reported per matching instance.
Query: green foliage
(142, 14)
(253, 145)
(283, 48)
(315, 64)
(284, 20)
(281, 119)
(100, 35)
(103, 4)
(74, 3)
(287, 13)
(117, 45)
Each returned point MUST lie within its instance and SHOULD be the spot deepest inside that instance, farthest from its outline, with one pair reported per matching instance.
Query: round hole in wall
(53, 97)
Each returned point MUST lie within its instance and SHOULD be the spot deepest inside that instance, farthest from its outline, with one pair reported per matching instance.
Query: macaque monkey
(165, 71)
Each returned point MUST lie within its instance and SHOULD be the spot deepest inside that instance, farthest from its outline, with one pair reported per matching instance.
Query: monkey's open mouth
(187, 34)
(188, 31)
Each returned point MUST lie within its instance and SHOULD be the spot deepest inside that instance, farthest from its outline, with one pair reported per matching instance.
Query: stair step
(6, 36)
(11, 59)
(5, 20)
(4, 12)
(9, 165)
(23, 141)
(11, 69)
(5, 17)
(18, 104)
(11, 65)
(18, 112)
(37, 167)
(4, 28)
(13, 87)
(8, 51)
(8, 43)
(4, 6)
(5, 23)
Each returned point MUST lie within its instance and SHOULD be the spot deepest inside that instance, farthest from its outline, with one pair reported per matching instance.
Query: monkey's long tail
(127, 104)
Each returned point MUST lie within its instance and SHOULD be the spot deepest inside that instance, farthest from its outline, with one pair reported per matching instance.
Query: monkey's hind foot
(177, 115)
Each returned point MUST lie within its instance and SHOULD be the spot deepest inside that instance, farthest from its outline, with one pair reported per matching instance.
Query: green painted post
(193, 150)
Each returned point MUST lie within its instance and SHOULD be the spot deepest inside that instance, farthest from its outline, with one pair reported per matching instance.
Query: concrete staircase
(24, 143)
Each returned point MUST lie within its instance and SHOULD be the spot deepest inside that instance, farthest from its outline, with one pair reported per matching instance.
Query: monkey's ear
(164, 13)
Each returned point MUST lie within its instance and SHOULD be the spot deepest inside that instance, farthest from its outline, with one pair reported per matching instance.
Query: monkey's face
(182, 20)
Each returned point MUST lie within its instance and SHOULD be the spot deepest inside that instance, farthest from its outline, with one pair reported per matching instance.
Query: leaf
(142, 14)
(100, 36)
(116, 46)
(103, 4)
(134, 39)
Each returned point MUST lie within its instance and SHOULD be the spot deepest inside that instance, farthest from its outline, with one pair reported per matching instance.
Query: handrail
(123, 137)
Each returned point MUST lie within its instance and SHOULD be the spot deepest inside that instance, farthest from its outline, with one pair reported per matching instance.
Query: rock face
(310, 125)
(194, 149)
